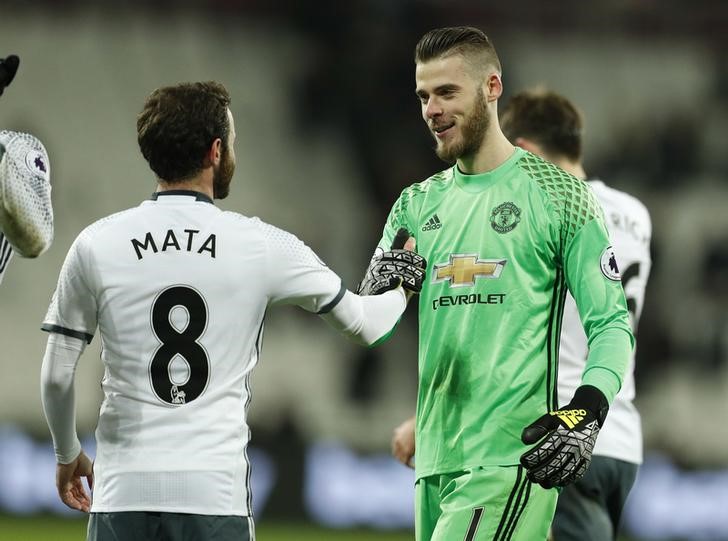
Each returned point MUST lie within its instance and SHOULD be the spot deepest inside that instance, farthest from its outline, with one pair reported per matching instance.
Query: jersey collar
(481, 181)
(199, 196)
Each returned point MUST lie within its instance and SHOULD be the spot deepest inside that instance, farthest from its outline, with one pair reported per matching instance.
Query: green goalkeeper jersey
(502, 247)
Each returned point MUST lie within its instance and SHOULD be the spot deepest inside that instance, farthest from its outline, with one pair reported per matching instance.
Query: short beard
(473, 130)
(223, 175)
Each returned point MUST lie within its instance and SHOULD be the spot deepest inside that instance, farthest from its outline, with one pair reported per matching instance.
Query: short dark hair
(464, 40)
(178, 125)
(546, 118)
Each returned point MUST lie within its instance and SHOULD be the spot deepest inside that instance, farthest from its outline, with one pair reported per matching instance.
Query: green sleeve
(601, 371)
(398, 217)
(602, 307)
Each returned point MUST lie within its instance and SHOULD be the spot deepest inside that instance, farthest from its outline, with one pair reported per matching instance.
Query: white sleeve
(26, 212)
(58, 396)
(73, 309)
(367, 319)
(296, 275)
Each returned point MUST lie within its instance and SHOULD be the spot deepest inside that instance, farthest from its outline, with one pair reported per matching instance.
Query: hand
(400, 266)
(567, 439)
(69, 484)
(403, 442)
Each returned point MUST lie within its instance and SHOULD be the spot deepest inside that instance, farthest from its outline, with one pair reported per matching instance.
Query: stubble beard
(473, 133)
(222, 176)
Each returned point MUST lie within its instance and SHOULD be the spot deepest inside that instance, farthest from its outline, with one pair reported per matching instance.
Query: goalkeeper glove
(391, 269)
(566, 439)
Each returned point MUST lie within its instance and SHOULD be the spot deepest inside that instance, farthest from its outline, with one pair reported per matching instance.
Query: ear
(493, 87)
(214, 153)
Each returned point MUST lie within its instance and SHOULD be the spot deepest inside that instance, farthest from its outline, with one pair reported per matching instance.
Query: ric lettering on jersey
(185, 241)
(472, 298)
(630, 226)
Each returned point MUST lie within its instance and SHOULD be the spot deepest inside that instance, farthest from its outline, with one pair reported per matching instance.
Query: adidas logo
(432, 224)
(570, 418)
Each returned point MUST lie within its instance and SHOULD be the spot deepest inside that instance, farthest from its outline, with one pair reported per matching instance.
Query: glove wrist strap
(591, 398)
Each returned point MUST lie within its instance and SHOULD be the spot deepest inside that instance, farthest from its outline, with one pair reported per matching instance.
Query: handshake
(398, 266)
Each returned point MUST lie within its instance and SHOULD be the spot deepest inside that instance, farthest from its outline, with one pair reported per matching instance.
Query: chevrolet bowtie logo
(463, 269)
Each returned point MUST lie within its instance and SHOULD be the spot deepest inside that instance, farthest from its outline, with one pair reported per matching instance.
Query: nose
(432, 108)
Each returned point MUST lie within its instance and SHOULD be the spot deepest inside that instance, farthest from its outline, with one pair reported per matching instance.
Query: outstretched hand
(69, 483)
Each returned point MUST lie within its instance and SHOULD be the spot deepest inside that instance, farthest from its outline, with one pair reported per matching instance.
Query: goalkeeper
(26, 214)
(507, 235)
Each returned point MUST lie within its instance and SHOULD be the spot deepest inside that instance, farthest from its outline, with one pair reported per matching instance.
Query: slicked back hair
(177, 126)
(467, 41)
(547, 118)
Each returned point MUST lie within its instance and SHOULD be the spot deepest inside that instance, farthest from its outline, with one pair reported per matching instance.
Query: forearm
(366, 319)
(57, 394)
(609, 354)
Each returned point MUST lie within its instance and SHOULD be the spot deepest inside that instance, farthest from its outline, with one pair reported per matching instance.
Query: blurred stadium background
(328, 134)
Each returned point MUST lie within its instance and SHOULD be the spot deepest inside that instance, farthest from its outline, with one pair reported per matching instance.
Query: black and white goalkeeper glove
(396, 267)
(565, 439)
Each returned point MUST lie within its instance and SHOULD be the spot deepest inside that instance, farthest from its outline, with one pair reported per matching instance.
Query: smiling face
(454, 106)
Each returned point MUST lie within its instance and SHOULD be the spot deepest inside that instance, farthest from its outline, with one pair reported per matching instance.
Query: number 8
(184, 344)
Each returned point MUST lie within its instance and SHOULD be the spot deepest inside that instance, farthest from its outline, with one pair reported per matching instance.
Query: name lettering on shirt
(185, 241)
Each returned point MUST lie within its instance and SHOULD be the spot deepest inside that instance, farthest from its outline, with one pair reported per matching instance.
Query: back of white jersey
(630, 230)
(179, 290)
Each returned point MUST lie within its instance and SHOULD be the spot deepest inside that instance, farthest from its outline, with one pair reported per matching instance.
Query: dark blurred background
(329, 132)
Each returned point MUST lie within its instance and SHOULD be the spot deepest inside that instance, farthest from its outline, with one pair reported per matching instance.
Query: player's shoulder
(96, 233)
(568, 194)
(418, 191)
(253, 227)
(548, 176)
(252, 224)
(440, 180)
(102, 225)
(612, 198)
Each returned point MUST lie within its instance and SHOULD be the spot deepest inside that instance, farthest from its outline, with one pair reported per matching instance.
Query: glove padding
(391, 269)
(567, 439)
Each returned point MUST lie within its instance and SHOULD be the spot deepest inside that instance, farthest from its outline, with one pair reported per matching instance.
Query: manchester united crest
(505, 217)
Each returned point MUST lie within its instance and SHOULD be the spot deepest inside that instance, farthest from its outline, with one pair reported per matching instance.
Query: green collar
(481, 181)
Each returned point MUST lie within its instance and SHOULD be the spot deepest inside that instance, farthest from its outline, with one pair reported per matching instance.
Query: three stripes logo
(432, 224)
(570, 418)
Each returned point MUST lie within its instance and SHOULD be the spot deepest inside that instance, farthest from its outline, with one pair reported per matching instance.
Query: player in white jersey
(26, 213)
(549, 125)
(179, 290)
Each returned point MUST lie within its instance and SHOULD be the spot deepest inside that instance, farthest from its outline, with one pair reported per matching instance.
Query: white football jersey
(630, 229)
(179, 289)
(26, 213)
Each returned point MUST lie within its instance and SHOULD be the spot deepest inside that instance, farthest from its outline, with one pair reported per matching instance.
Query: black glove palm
(567, 439)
